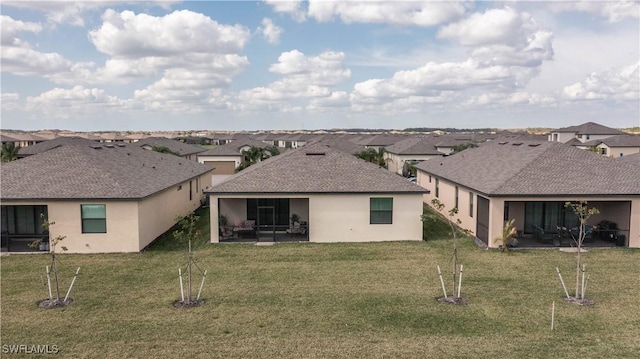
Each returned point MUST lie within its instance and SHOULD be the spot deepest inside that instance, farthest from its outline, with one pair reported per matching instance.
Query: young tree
(53, 243)
(452, 224)
(187, 232)
(583, 212)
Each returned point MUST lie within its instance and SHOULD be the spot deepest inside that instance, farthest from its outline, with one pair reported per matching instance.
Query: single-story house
(320, 194)
(412, 150)
(187, 151)
(617, 146)
(54, 143)
(103, 197)
(530, 182)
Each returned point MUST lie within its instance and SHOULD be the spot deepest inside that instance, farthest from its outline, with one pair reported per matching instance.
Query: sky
(291, 65)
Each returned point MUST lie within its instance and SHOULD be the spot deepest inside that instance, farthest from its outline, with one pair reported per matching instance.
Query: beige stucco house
(102, 197)
(335, 197)
(185, 150)
(412, 150)
(530, 182)
(585, 132)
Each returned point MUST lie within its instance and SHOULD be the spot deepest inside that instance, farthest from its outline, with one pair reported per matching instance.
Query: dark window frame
(379, 215)
(88, 222)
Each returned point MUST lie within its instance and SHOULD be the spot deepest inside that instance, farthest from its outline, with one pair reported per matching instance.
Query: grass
(327, 301)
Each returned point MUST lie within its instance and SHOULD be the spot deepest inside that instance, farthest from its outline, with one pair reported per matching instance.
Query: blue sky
(243, 65)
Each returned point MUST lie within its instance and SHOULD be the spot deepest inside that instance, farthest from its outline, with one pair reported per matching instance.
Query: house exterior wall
(345, 218)
(338, 217)
(158, 213)
(561, 136)
(122, 226)
(618, 151)
(447, 196)
(395, 162)
(212, 159)
(608, 206)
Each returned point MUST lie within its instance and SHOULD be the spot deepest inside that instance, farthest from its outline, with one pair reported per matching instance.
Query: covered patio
(273, 219)
(551, 224)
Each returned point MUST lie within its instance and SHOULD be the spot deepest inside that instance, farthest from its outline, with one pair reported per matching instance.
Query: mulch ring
(452, 300)
(578, 301)
(188, 304)
(54, 303)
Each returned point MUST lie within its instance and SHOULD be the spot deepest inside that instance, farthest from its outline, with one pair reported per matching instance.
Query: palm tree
(9, 152)
(255, 154)
(374, 156)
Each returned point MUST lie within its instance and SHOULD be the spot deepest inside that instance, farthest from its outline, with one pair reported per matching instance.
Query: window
(506, 211)
(190, 190)
(470, 204)
(437, 187)
(457, 197)
(381, 210)
(94, 218)
(429, 178)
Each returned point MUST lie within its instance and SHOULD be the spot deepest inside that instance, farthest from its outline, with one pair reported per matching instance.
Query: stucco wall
(122, 226)
(345, 218)
(396, 162)
(616, 151)
(158, 213)
(339, 217)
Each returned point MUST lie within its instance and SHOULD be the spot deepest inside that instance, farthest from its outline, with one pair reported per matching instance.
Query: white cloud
(336, 100)
(12, 28)
(621, 84)
(506, 50)
(304, 77)
(18, 56)
(613, 11)
(494, 26)
(419, 13)
(292, 7)
(130, 35)
(68, 103)
(72, 12)
(270, 31)
(9, 101)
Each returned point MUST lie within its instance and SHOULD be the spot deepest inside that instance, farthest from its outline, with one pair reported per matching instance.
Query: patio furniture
(245, 229)
(297, 228)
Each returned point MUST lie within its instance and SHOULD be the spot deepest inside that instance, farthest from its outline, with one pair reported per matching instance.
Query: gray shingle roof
(622, 141)
(174, 146)
(590, 128)
(315, 168)
(54, 143)
(536, 168)
(233, 148)
(114, 171)
(632, 159)
(415, 146)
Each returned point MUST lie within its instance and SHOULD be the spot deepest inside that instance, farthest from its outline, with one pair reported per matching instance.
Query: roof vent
(503, 143)
(517, 143)
(316, 153)
(108, 145)
(96, 147)
(534, 144)
(120, 144)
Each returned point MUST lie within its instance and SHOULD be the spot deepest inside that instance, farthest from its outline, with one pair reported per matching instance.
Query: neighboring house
(412, 150)
(225, 159)
(23, 139)
(619, 146)
(583, 133)
(115, 137)
(633, 159)
(183, 150)
(335, 196)
(530, 182)
(378, 141)
(54, 143)
(102, 197)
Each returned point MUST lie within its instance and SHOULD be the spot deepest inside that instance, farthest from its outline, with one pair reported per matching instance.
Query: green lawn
(370, 300)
